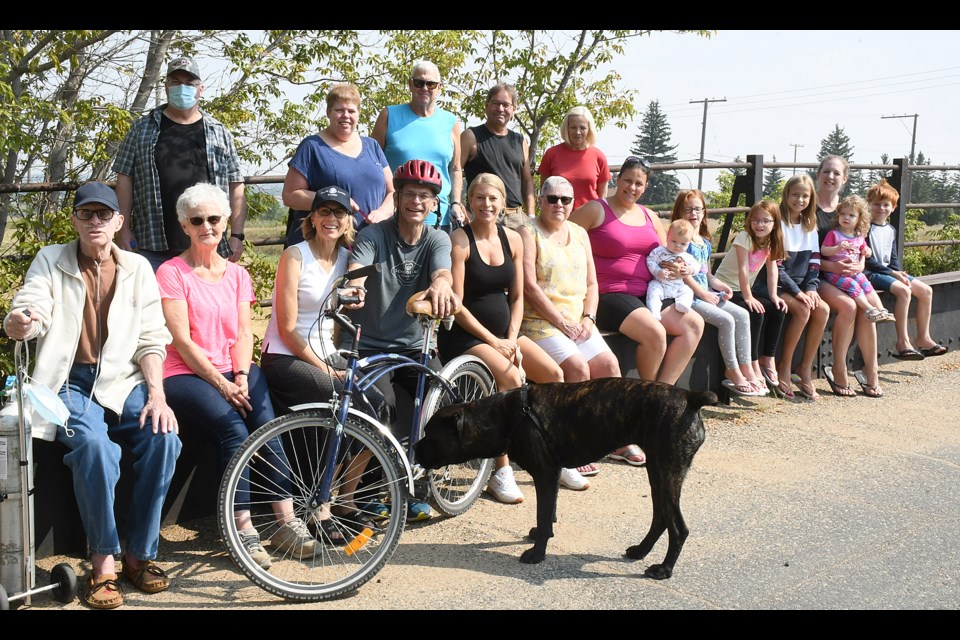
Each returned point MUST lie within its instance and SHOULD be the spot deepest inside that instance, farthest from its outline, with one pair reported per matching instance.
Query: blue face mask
(182, 96)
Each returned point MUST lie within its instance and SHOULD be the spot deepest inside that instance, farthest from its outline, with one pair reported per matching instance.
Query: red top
(584, 168)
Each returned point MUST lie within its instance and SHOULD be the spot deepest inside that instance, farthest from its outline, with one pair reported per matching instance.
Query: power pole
(795, 155)
(913, 139)
(703, 135)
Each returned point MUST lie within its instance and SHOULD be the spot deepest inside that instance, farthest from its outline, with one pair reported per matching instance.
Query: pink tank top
(620, 253)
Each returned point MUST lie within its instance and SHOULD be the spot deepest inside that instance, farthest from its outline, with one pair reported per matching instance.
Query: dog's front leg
(547, 486)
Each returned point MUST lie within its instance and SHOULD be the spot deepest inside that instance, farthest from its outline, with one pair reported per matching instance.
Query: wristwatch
(238, 236)
(592, 316)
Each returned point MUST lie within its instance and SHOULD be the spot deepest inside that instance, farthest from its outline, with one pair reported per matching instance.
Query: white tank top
(312, 290)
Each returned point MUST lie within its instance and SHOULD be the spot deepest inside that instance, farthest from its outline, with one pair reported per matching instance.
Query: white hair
(202, 193)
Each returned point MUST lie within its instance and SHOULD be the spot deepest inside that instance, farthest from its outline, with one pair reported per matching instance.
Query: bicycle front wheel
(347, 552)
(456, 487)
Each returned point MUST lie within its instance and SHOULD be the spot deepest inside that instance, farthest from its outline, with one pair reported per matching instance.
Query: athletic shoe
(418, 511)
(571, 479)
(504, 487)
(250, 540)
(294, 538)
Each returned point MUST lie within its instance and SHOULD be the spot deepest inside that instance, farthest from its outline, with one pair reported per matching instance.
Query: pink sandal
(631, 454)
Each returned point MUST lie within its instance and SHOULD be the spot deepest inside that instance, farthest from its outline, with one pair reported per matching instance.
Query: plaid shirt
(135, 158)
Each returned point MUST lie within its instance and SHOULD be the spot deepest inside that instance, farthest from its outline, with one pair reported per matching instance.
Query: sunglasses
(87, 214)
(339, 214)
(429, 84)
(564, 199)
(630, 161)
(212, 220)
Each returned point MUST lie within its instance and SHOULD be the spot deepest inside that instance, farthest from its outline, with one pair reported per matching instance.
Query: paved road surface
(838, 504)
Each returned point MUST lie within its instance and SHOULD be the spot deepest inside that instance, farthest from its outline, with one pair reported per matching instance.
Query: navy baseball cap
(184, 64)
(96, 192)
(331, 194)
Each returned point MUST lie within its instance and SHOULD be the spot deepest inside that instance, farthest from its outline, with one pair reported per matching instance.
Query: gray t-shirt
(405, 270)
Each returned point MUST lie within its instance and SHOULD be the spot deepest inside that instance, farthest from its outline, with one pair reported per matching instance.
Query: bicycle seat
(417, 307)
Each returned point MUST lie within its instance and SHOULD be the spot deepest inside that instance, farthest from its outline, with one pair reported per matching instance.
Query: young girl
(761, 243)
(847, 240)
(799, 280)
(713, 300)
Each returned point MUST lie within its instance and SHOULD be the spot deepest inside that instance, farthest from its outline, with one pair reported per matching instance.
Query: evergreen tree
(773, 182)
(837, 143)
(653, 143)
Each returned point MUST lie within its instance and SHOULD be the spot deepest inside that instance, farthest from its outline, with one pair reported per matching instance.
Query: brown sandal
(148, 577)
(103, 593)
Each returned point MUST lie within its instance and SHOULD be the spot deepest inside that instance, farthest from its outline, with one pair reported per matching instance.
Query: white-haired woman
(210, 379)
(577, 158)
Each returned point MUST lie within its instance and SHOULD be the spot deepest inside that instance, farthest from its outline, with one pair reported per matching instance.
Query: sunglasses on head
(635, 160)
(429, 84)
(87, 214)
(212, 220)
(564, 199)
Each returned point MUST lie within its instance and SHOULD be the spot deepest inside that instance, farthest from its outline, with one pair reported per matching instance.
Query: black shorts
(613, 309)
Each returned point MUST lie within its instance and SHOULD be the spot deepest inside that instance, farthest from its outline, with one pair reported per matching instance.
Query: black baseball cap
(331, 194)
(96, 192)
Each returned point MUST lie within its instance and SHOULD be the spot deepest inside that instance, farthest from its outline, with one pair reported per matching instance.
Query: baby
(662, 285)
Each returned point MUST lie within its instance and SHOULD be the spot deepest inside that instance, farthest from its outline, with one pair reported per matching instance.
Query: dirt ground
(764, 491)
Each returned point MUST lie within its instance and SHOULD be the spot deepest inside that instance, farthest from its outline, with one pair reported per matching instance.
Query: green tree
(838, 143)
(653, 143)
(773, 183)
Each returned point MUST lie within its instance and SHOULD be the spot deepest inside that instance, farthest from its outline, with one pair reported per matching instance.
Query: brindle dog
(544, 427)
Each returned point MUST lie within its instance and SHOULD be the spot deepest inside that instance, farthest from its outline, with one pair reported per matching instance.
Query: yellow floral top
(562, 274)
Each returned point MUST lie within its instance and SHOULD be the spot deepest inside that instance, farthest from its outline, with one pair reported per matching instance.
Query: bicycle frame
(371, 370)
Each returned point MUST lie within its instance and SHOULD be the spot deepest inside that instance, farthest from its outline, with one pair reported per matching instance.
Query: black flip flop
(938, 350)
(908, 354)
(843, 392)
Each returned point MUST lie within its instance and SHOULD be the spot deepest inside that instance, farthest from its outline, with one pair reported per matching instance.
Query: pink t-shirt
(620, 253)
(212, 310)
(582, 167)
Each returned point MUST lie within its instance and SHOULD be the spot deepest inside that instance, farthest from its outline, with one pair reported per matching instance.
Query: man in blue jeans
(101, 341)
(414, 257)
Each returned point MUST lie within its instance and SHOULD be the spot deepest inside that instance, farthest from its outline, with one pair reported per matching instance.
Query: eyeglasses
(697, 210)
(338, 213)
(564, 199)
(211, 220)
(423, 197)
(177, 83)
(87, 214)
(496, 104)
(632, 160)
(429, 84)
(763, 222)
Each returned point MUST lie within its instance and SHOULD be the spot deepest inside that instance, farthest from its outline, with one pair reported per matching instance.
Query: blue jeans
(157, 258)
(199, 405)
(94, 460)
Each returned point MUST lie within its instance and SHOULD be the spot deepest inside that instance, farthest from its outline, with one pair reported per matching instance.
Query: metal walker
(17, 569)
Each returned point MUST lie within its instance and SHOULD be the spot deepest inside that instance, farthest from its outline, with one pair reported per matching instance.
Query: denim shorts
(883, 282)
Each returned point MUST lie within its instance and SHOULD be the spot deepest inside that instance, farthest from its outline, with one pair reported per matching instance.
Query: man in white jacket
(95, 312)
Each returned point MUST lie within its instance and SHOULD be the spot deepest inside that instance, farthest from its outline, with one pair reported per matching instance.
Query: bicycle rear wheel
(334, 568)
(456, 487)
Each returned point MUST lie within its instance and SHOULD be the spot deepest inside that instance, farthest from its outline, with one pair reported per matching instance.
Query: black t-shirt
(181, 160)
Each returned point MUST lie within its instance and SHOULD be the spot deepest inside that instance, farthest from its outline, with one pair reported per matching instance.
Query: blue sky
(803, 83)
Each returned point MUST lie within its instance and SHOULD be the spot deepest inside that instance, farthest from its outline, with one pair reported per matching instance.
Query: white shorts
(560, 347)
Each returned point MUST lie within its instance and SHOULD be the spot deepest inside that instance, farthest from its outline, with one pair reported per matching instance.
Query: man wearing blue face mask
(171, 148)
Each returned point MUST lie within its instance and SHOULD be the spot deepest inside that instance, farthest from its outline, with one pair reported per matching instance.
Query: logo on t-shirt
(407, 272)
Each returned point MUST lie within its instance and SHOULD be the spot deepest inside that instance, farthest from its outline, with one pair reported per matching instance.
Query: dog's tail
(696, 400)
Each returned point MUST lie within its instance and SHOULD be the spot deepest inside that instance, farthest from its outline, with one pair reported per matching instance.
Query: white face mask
(45, 411)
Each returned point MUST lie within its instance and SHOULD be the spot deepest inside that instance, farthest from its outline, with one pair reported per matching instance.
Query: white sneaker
(504, 487)
(571, 479)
